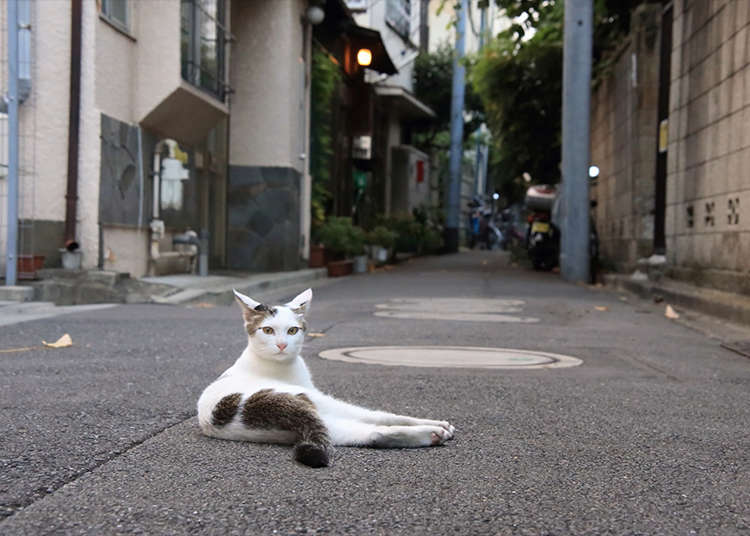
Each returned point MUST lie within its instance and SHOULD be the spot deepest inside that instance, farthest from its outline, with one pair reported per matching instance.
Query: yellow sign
(663, 135)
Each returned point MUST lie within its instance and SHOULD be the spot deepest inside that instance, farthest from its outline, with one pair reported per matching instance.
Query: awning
(361, 37)
(406, 104)
(342, 38)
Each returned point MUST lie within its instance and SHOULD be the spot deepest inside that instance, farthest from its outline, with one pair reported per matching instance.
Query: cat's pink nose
(281, 345)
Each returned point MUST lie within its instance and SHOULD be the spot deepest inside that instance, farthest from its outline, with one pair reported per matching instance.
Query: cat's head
(275, 332)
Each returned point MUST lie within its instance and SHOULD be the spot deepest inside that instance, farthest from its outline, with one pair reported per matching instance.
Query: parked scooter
(542, 236)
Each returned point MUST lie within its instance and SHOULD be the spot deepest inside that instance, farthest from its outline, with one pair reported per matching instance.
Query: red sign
(420, 170)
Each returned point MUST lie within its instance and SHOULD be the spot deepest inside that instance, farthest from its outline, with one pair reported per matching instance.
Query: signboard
(663, 135)
(362, 147)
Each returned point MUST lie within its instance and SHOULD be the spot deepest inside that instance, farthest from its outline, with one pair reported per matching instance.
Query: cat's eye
(267, 330)
(293, 331)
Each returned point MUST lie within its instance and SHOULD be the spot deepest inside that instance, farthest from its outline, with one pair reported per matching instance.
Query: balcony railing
(203, 40)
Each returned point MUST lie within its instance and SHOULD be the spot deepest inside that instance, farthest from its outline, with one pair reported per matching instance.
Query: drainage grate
(450, 357)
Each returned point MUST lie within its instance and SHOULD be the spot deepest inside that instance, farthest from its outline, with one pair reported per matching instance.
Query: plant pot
(340, 268)
(71, 260)
(360, 264)
(28, 265)
(317, 256)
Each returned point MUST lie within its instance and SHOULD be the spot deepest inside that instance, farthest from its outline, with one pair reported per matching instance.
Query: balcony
(203, 42)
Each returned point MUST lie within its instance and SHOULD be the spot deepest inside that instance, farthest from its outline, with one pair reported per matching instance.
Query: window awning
(342, 38)
(407, 105)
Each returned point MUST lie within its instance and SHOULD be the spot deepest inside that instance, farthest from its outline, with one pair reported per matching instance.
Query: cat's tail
(269, 410)
(314, 448)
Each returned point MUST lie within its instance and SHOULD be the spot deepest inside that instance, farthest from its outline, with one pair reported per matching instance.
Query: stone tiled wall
(263, 218)
(708, 183)
(623, 143)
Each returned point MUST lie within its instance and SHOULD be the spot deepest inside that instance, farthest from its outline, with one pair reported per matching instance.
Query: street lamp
(364, 57)
(315, 15)
(593, 171)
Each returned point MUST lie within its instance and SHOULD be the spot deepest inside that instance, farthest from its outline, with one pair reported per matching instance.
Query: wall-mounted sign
(362, 147)
(663, 135)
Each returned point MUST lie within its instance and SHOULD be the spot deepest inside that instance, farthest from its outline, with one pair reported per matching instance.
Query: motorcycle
(542, 236)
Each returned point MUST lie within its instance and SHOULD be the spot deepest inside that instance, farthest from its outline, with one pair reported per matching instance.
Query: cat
(268, 396)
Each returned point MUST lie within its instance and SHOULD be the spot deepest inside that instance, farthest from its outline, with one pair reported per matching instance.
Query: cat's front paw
(440, 436)
(445, 425)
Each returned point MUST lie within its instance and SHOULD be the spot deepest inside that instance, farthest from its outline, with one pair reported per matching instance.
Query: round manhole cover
(450, 356)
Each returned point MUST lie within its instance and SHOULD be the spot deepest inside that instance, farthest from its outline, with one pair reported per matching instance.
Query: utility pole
(453, 205)
(481, 159)
(574, 251)
(11, 250)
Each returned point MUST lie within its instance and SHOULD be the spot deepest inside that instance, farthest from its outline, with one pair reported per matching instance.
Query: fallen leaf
(623, 298)
(601, 308)
(671, 313)
(484, 263)
(316, 335)
(62, 342)
(202, 305)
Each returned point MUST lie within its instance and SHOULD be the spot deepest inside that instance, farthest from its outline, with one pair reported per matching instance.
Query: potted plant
(336, 236)
(381, 241)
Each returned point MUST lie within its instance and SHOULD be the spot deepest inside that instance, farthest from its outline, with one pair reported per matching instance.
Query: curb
(16, 293)
(222, 295)
(725, 305)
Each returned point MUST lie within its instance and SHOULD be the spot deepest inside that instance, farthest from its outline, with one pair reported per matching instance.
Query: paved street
(649, 435)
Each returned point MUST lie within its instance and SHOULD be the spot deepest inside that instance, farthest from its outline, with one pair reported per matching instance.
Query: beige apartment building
(193, 118)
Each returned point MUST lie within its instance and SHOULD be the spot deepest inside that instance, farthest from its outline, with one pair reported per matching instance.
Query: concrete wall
(265, 188)
(158, 53)
(623, 144)
(267, 74)
(708, 188)
(263, 218)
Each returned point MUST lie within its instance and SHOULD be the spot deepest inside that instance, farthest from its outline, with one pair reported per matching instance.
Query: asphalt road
(650, 435)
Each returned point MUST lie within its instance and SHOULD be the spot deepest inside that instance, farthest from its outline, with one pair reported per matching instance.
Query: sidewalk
(217, 289)
(732, 307)
(66, 287)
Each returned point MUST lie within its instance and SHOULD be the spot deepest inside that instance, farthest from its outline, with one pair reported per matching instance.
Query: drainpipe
(12, 107)
(71, 197)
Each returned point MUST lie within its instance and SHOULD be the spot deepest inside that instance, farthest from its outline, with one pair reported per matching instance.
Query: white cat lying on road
(267, 396)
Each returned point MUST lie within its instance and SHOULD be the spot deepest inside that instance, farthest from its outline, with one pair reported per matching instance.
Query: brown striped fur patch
(226, 409)
(269, 410)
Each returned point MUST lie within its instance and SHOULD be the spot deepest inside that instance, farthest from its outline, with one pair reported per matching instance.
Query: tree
(519, 79)
(433, 84)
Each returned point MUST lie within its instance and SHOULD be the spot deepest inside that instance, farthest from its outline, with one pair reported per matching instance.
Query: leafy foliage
(324, 81)
(433, 85)
(519, 79)
(342, 238)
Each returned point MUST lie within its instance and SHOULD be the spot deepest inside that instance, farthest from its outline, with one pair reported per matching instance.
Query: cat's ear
(246, 302)
(301, 304)
(249, 307)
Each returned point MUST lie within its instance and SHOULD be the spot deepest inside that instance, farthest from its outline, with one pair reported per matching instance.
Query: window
(202, 44)
(357, 5)
(398, 16)
(116, 12)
